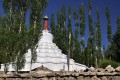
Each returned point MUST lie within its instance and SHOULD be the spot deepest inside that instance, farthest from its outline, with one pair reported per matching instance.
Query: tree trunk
(5, 68)
(31, 62)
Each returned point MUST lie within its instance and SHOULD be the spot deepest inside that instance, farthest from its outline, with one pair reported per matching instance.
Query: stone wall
(92, 74)
(64, 76)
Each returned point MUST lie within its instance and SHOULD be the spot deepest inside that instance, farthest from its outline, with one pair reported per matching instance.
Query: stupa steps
(49, 51)
(62, 56)
(45, 51)
(53, 60)
(39, 56)
(48, 45)
(49, 56)
(49, 48)
(52, 63)
(43, 56)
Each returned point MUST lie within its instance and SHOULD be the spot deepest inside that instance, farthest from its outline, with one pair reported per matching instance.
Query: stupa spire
(45, 25)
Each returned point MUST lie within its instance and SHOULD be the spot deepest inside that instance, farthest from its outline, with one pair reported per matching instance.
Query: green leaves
(15, 39)
(109, 32)
(98, 38)
(113, 51)
(118, 25)
(52, 24)
(82, 20)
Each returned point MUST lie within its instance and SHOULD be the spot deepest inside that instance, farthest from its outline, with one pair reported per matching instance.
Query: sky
(113, 5)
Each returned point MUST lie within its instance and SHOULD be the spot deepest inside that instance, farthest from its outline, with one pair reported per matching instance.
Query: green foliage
(5, 40)
(60, 31)
(91, 38)
(82, 32)
(36, 11)
(105, 63)
(76, 51)
(113, 51)
(118, 24)
(15, 39)
(52, 24)
(69, 20)
(76, 23)
(98, 38)
(85, 54)
(82, 20)
(109, 33)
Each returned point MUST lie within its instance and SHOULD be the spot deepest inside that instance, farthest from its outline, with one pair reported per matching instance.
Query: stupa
(49, 55)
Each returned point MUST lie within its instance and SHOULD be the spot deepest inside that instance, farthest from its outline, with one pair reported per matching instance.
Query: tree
(82, 31)
(98, 40)
(113, 51)
(58, 35)
(16, 11)
(4, 42)
(115, 46)
(91, 36)
(52, 24)
(69, 27)
(20, 38)
(76, 55)
(82, 24)
(64, 39)
(109, 32)
(118, 25)
(69, 20)
(36, 10)
(76, 23)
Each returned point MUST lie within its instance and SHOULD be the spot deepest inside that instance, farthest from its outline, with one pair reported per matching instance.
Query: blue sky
(113, 5)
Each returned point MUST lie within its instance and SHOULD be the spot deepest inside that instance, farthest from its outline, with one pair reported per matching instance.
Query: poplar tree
(36, 10)
(76, 55)
(69, 27)
(118, 24)
(76, 23)
(109, 32)
(52, 24)
(91, 37)
(4, 42)
(98, 39)
(6, 24)
(82, 31)
(113, 50)
(69, 20)
(21, 8)
(115, 45)
(16, 11)
(1, 55)
(64, 40)
(82, 24)
(57, 37)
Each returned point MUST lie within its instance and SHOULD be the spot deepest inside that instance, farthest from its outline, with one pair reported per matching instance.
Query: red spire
(45, 23)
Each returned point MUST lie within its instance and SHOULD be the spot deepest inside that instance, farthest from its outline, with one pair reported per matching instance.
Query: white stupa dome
(49, 55)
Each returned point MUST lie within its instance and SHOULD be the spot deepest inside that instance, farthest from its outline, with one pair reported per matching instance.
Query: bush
(105, 63)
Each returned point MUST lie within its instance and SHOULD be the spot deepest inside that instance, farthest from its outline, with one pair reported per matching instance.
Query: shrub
(105, 63)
